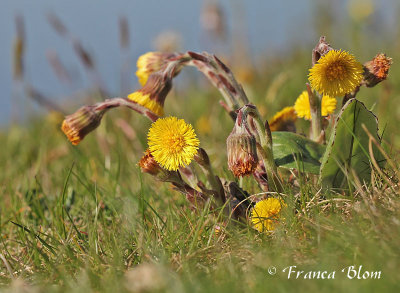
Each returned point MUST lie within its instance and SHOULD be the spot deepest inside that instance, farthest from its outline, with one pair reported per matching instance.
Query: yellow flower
(153, 94)
(336, 74)
(172, 142)
(149, 63)
(72, 135)
(146, 101)
(302, 106)
(283, 120)
(203, 125)
(265, 214)
(359, 10)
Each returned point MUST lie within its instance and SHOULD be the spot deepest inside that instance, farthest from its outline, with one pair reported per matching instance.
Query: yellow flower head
(203, 125)
(336, 74)
(149, 63)
(302, 106)
(283, 119)
(265, 214)
(172, 142)
(72, 135)
(146, 101)
(359, 10)
(153, 94)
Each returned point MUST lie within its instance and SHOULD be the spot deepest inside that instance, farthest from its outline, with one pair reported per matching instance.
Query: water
(270, 25)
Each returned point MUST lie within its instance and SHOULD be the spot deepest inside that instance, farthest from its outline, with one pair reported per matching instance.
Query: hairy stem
(315, 109)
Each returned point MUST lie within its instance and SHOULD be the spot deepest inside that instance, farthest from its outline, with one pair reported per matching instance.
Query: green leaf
(347, 148)
(294, 151)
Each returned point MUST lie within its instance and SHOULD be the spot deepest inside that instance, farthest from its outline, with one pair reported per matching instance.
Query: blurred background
(68, 49)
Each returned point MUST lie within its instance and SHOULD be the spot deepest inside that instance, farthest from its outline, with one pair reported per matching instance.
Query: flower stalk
(221, 77)
(204, 162)
(89, 117)
(149, 165)
(315, 109)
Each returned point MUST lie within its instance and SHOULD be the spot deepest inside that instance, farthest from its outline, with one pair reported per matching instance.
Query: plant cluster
(340, 149)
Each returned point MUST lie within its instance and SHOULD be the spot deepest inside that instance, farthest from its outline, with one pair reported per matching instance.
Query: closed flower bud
(77, 125)
(376, 70)
(152, 95)
(149, 165)
(241, 149)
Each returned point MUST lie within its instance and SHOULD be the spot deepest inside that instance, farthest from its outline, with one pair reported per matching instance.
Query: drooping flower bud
(241, 148)
(152, 95)
(151, 62)
(376, 70)
(149, 165)
(77, 125)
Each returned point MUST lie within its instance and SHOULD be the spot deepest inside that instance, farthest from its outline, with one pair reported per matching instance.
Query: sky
(268, 25)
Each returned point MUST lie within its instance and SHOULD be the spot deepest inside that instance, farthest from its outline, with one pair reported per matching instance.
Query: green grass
(84, 219)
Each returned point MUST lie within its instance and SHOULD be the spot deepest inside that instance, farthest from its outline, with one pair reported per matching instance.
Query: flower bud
(151, 62)
(152, 95)
(241, 149)
(149, 165)
(77, 125)
(376, 70)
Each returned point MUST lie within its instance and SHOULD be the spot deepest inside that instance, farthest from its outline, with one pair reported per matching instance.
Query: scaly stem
(220, 76)
(204, 162)
(265, 147)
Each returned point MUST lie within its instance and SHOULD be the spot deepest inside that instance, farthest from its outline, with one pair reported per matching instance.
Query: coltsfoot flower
(153, 94)
(77, 125)
(203, 125)
(336, 74)
(149, 63)
(284, 120)
(266, 213)
(172, 142)
(302, 106)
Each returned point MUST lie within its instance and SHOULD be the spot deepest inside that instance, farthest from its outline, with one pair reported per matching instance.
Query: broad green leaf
(294, 151)
(347, 148)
